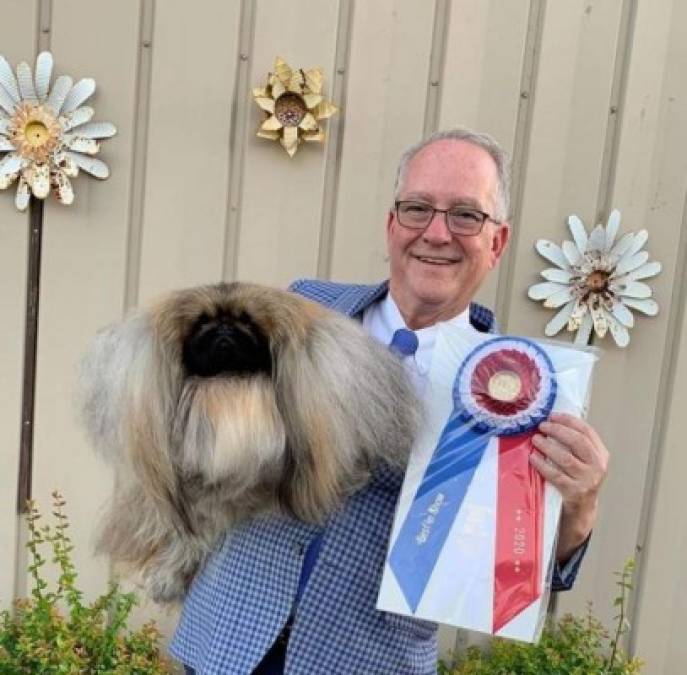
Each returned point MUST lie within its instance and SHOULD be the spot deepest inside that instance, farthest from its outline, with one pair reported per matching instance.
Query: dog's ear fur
(128, 387)
(346, 403)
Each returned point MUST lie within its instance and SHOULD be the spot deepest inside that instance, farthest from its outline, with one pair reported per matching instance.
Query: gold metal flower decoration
(47, 134)
(293, 104)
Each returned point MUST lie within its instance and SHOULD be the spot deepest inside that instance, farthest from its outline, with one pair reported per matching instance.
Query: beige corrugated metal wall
(589, 95)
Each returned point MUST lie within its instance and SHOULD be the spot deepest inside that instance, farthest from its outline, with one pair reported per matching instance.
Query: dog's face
(226, 343)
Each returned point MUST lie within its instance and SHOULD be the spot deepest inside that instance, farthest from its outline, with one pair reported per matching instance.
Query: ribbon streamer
(437, 501)
(519, 523)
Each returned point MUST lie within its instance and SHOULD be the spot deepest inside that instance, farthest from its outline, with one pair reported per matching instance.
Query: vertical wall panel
(17, 43)
(483, 66)
(482, 75)
(186, 180)
(84, 263)
(566, 141)
(384, 113)
(282, 196)
(662, 612)
(563, 163)
(569, 117)
(649, 189)
(652, 180)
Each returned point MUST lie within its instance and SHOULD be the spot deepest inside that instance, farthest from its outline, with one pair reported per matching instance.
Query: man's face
(434, 274)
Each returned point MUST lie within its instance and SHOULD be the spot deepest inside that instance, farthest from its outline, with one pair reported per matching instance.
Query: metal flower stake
(597, 281)
(293, 105)
(46, 138)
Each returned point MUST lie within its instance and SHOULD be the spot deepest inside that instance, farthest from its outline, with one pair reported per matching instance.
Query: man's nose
(437, 231)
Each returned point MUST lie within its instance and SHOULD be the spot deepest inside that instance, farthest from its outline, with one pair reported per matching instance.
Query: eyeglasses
(461, 220)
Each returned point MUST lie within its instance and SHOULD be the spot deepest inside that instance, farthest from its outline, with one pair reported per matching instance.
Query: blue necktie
(404, 342)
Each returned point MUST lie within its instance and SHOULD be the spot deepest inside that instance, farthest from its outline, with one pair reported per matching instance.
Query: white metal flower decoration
(47, 133)
(596, 281)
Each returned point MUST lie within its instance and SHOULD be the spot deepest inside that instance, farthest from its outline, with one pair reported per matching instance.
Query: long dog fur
(194, 455)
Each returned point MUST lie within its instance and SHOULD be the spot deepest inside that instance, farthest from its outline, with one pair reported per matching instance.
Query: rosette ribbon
(503, 390)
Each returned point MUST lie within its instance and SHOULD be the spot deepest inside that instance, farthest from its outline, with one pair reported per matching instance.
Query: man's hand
(575, 460)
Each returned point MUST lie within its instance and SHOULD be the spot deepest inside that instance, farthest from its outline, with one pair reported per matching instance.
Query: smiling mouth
(432, 260)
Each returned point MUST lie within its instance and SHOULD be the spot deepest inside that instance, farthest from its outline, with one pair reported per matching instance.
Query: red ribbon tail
(519, 530)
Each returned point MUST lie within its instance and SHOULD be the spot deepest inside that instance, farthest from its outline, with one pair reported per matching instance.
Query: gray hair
(482, 140)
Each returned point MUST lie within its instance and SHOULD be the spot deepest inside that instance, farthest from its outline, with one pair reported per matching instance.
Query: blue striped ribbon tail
(435, 505)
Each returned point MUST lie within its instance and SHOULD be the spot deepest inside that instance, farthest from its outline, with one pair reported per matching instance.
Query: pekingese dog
(224, 402)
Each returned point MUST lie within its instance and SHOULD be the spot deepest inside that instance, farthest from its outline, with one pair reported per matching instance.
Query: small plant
(573, 646)
(54, 631)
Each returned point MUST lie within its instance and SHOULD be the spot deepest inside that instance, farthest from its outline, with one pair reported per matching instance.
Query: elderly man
(282, 596)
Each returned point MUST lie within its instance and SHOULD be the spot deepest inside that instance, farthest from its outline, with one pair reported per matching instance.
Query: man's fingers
(579, 425)
(574, 440)
(551, 473)
(560, 455)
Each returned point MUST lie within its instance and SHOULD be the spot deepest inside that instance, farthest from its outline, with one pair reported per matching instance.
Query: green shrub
(572, 646)
(54, 631)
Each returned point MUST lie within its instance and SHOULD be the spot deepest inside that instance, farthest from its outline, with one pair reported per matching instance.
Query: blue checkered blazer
(239, 602)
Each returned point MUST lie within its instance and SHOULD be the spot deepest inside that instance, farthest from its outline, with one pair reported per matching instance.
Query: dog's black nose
(226, 345)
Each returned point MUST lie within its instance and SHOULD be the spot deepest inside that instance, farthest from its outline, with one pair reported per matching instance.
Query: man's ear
(389, 220)
(499, 241)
